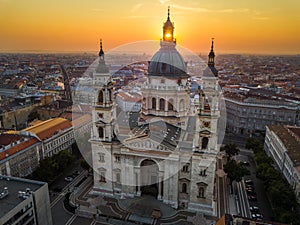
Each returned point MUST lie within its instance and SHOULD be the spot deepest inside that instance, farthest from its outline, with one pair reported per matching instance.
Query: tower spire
(211, 59)
(101, 52)
(168, 12)
(211, 56)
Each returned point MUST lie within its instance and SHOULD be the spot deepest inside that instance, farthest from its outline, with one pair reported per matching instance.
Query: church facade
(171, 153)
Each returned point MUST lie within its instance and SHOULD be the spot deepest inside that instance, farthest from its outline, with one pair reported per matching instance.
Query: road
(262, 200)
(60, 216)
(243, 203)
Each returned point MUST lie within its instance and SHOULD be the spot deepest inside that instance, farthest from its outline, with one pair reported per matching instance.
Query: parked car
(68, 178)
(257, 216)
(252, 197)
(250, 188)
(249, 182)
(246, 163)
(254, 209)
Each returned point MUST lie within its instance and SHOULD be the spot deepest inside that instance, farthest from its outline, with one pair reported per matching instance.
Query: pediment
(144, 143)
(102, 169)
(117, 170)
(202, 184)
(205, 132)
(184, 180)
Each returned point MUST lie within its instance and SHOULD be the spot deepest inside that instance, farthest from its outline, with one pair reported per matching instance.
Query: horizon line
(96, 52)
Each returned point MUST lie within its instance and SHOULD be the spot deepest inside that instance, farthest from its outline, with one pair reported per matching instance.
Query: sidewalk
(233, 209)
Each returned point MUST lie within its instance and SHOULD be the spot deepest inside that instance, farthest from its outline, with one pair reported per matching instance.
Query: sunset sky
(238, 26)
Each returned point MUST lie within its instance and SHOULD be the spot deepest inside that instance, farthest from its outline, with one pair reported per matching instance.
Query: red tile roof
(48, 128)
(17, 148)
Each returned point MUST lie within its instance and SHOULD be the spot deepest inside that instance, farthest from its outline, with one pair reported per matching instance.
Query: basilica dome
(167, 62)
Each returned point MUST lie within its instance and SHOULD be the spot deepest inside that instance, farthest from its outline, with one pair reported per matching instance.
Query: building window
(201, 189)
(170, 105)
(102, 177)
(118, 178)
(204, 143)
(117, 158)
(184, 188)
(203, 172)
(101, 132)
(201, 192)
(100, 97)
(101, 157)
(162, 104)
(185, 168)
(153, 103)
(109, 95)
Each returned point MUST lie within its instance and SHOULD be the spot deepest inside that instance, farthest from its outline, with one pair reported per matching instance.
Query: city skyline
(238, 27)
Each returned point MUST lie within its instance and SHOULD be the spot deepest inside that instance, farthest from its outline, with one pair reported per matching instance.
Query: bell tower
(208, 108)
(103, 100)
(102, 130)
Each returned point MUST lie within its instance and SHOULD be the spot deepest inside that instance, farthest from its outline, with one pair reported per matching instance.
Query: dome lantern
(168, 29)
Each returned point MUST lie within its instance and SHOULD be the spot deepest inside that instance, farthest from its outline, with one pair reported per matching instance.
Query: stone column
(138, 181)
(160, 180)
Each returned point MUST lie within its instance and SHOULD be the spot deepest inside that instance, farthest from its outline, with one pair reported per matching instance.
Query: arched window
(109, 95)
(181, 105)
(153, 103)
(100, 97)
(162, 104)
(170, 105)
(204, 143)
(184, 188)
(101, 132)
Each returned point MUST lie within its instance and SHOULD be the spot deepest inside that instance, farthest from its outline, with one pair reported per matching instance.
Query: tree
(84, 164)
(254, 144)
(261, 157)
(64, 159)
(230, 150)
(267, 173)
(235, 170)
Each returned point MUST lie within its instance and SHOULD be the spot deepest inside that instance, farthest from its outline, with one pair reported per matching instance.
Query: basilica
(171, 151)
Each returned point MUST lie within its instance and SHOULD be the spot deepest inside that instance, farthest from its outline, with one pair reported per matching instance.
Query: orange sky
(256, 26)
